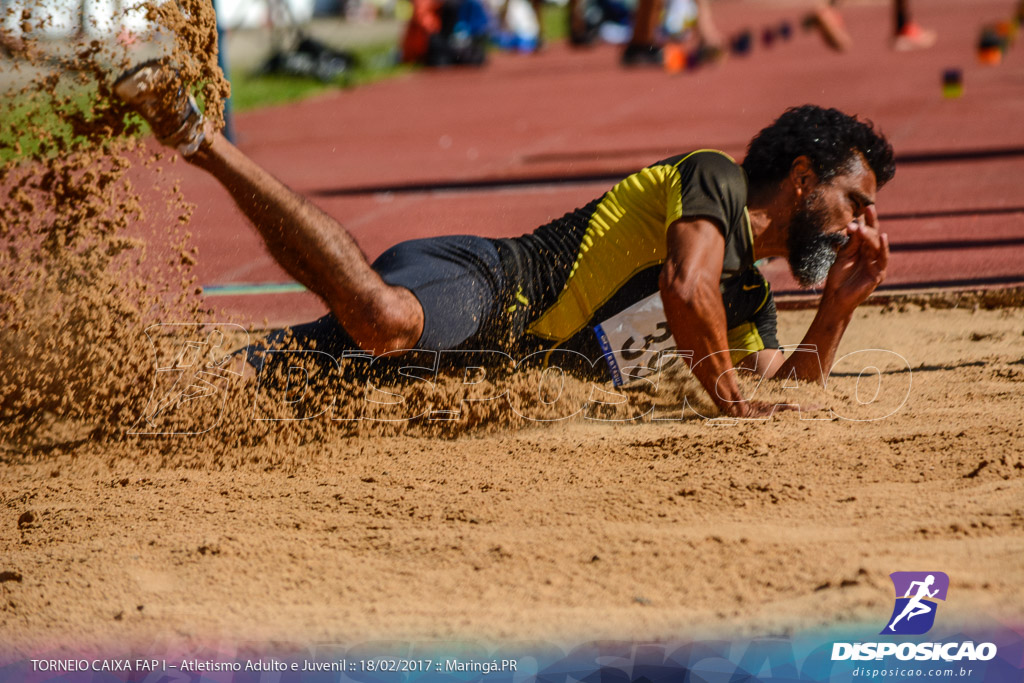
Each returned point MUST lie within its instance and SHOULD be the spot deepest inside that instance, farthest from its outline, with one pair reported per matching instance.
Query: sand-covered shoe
(155, 91)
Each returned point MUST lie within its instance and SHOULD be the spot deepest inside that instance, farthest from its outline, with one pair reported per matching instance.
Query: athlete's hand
(860, 265)
(755, 409)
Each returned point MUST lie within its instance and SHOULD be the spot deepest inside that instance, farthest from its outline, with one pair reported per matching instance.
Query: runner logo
(916, 595)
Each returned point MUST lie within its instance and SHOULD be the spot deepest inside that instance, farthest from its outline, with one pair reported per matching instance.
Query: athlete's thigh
(457, 279)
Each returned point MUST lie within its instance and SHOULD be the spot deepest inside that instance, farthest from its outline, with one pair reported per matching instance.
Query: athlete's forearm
(690, 291)
(697, 320)
(824, 335)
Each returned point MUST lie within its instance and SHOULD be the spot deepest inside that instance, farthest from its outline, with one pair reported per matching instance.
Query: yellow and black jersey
(548, 289)
(598, 260)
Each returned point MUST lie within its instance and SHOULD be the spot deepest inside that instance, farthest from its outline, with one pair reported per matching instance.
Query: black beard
(811, 250)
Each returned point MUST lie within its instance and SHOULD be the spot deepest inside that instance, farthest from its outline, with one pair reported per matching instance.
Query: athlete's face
(819, 227)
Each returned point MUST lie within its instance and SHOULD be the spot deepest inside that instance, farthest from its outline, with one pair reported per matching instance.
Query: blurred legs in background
(907, 34)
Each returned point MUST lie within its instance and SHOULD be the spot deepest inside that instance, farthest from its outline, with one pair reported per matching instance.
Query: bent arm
(689, 285)
(859, 268)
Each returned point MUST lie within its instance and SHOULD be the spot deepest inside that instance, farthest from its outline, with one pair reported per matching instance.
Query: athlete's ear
(802, 174)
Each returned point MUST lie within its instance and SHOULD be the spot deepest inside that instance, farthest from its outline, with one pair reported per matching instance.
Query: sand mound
(76, 291)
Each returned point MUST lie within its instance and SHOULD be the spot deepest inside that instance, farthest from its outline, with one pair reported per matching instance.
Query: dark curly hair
(828, 137)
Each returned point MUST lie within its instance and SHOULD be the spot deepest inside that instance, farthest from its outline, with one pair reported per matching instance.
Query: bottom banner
(993, 653)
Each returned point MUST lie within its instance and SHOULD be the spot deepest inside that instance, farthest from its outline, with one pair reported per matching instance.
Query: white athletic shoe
(155, 91)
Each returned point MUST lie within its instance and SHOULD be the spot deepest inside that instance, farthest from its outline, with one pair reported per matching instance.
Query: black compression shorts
(458, 280)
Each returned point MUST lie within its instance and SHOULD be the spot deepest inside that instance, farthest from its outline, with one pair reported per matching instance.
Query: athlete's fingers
(854, 234)
(883, 258)
(871, 242)
(872, 233)
(871, 217)
(859, 250)
(764, 409)
(755, 409)
(876, 255)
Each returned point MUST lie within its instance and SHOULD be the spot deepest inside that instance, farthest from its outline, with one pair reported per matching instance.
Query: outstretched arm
(859, 268)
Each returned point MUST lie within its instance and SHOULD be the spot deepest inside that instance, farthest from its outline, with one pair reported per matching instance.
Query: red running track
(500, 150)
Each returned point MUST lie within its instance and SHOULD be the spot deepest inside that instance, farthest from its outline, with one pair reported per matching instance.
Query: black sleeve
(748, 298)
(766, 321)
(713, 186)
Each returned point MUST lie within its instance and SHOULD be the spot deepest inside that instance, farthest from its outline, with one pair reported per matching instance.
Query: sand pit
(574, 529)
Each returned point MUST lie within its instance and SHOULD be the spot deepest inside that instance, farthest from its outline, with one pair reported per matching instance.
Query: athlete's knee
(392, 321)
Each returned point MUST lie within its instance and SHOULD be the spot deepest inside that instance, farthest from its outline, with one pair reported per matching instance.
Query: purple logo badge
(916, 595)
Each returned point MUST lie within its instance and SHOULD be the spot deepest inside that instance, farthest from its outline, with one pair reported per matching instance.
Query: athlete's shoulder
(711, 167)
(711, 162)
(711, 158)
(714, 175)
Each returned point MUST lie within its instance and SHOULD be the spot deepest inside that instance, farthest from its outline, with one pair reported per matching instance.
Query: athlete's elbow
(686, 291)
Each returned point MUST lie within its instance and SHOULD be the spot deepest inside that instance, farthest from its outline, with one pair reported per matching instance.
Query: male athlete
(689, 227)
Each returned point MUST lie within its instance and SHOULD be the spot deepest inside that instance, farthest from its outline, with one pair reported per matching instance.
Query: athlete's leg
(709, 33)
(538, 11)
(309, 244)
(645, 22)
(316, 250)
(901, 15)
(829, 23)
(907, 34)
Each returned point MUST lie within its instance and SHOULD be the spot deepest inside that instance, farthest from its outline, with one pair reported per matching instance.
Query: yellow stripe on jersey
(744, 340)
(750, 234)
(626, 234)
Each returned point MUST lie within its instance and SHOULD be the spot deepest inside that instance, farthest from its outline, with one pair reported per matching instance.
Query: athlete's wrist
(836, 309)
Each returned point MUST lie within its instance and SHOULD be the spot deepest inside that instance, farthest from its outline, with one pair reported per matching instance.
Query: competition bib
(635, 340)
